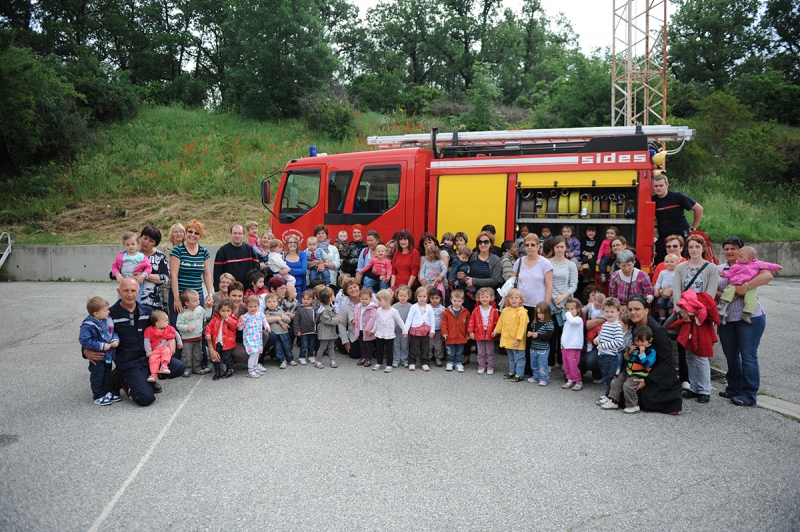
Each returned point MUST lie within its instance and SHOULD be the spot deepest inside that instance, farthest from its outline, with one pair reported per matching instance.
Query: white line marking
(110, 506)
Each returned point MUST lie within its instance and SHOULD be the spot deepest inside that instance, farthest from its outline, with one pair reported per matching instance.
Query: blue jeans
(605, 264)
(283, 347)
(455, 353)
(541, 370)
(372, 284)
(608, 367)
(740, 341)
(308, 345)
(665, 303)
(516, 361)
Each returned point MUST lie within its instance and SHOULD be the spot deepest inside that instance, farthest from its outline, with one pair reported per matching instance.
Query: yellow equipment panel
(602, 178)
(468, 202)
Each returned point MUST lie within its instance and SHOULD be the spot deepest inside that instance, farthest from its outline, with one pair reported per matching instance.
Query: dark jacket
(236, 261)
(662, 391)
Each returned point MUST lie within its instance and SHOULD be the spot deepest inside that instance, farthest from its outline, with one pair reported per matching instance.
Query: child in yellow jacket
(512, 327)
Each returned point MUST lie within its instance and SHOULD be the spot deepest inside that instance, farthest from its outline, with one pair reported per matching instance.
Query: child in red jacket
(221, 338)
(481, 325)
(455, 321)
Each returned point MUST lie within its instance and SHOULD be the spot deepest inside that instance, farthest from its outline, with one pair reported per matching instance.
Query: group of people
(415, 303)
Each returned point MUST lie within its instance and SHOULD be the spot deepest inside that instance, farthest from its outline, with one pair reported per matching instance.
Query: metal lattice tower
(639, 63)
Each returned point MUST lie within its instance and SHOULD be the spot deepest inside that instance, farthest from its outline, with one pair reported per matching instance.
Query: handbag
(674, 331)
(511, 282)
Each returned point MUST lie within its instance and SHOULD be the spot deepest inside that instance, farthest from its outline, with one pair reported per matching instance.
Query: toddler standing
(160, 342)
(221, 339)
(400, 347)
(609, 342)
(481, 326)
(455, 330)
(511, 327)
(364, 321)
(386, 318)
(97, 334)
(436, 343)
(572, 343)
(540, 330)
(279, 323)
(640, 359)
(190, 326)
(253, 324)
(305, 328)
(328, 321)
(419, 328)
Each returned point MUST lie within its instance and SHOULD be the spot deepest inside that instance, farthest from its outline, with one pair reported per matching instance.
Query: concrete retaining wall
(92, 263)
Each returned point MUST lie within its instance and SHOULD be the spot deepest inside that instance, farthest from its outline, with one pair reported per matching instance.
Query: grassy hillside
(169, 164)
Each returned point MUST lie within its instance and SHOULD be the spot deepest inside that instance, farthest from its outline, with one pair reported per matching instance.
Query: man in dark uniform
(669, 214)
(131, 367)
(236, 257)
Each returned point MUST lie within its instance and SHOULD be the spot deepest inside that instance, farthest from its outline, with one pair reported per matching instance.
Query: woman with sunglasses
(484, 268)
(674, 245)
(189, 268)
(535, 281)
(740, 339)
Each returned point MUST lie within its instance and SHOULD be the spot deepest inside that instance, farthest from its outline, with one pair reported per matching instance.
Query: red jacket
(456, 330)
(476, 324)
(698, 335)
(228, 331)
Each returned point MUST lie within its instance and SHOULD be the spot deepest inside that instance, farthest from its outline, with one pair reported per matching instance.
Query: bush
(755, 157)
(184, 90)
(481, 95)
(447, 108)
(377, 92)
(330, 112)
(108, 96)
(417, 98)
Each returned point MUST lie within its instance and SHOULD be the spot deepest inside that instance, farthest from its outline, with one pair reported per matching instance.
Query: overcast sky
(591, 19)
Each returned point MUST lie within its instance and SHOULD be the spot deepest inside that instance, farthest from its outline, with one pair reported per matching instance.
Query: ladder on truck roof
(531, 136)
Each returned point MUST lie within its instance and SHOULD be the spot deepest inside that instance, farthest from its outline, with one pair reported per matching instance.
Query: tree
(481, 95)
(782, 22)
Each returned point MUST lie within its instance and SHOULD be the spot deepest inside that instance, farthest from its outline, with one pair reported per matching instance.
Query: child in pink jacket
(364, 320)
(742, 271)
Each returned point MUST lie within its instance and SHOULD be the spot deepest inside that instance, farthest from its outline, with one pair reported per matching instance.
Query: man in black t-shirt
(669, 214)
(236, 258)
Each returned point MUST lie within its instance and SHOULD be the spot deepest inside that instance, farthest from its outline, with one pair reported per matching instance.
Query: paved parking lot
(353, 449)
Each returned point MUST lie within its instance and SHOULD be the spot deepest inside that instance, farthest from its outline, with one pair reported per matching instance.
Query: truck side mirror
(265, 192)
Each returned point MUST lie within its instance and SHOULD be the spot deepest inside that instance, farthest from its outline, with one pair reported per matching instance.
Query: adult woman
(405, 262)
(619, 244)
(152, 285)
(535, 279)
(189, 268)
(333, 262)
(350, 262)
(369, 279)
(740, 339)
(510, 255)
(297, 261)
(565, 283)
(175, 237)
(225, 281)
(347, 330)
(429, 240)
(674, 246)
(701, 276)
(264, 241)
(484, 267)
(628, 280)
(660, 390)
(391, 247)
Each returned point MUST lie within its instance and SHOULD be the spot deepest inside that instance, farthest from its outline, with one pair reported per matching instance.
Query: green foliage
(417, 99)
(721, 115)
(769, 96)
(754, 154)
(330, 112)
(185, 90)
(481, 96)
(378, 92)
(108, 96)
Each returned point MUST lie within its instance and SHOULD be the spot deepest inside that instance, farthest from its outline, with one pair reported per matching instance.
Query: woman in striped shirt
(189, 268)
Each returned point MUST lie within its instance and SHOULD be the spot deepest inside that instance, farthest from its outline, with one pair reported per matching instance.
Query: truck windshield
(301, 192)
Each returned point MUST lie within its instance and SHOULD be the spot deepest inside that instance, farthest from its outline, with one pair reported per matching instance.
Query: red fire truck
(461, 181)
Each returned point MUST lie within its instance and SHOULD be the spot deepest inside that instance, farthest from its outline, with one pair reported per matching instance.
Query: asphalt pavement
(354, 449)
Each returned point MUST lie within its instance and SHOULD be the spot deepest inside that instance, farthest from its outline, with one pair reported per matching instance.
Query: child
(540, 330)
(221, 338)
(594, 309)
(328, 321)
(131, 262)
(190, 326)
(400, 347)
(386, 318)
(279, 323)
(573, 252)
(340, 296)
(589, 253)
(522, 232)
(511, 327)
(481, 324)
(447, 245)
(342, 235)
(252, 237)
(160, 342)
(455, 330)
(436, 344)
(364, 320)
(572, 343)
(276, 263)
(257, 287)
(305, 328)
(315, 252)
(433, 269)
(459, 264)
(97, 334)
(640, 359)
(419, 328)
(609, 342)
(606, 257)
(665, 281)
(744, 270)
(546, 234)
(252, 326)
(380, 266)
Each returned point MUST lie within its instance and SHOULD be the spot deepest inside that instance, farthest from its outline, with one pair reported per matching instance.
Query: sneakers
(578, 387)
(567, 385)
(531, 379)
(542, 383)
(449, 366)
(412, 367)
(319, 365)
(490, 371)
(164, 369)
(631, 410)
(376, 367)
(205, 370)
(113, 398)
(217, 376)
(303, 362)
(460, 368)
(261, 368)
(360, 362)
(103, 401)
(597, 381)
(152, 378)
(609, 405)
(480, 371)
(253, 373)
(517, 378)
(334, 364)
(405, 364)
(602, 277)
(228, 373)
(187, 373)
(283, 365)
(602, 400)
(395, 365)
(387, 369)
(312, 360)
(508, 376)
(293, 363)
(426, 367)
(686, 386)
